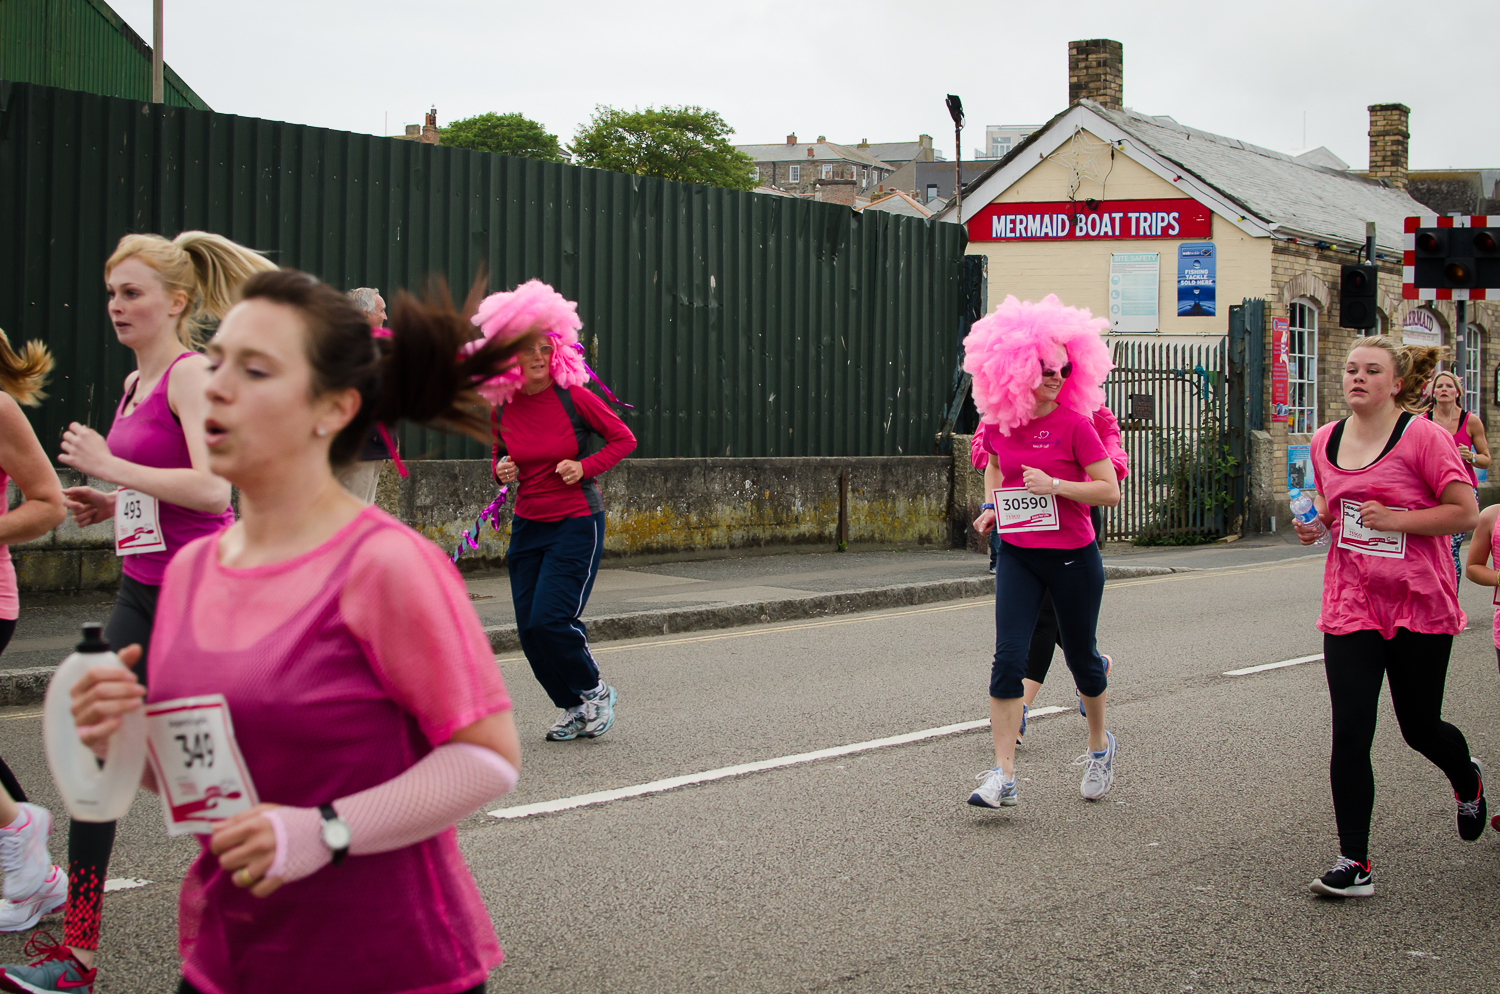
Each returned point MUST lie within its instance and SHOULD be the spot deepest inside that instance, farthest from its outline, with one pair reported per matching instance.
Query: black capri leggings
(1046, 635)
(1417, 666)
(1075, 579)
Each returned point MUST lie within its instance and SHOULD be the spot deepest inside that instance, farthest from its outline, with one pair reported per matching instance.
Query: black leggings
(90, 843)
(1417, 666)
(1045, 635)
(7, 778)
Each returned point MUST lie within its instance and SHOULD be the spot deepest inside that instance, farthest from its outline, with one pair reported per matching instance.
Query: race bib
(199, 770)
(137, 524)
(1357, 538)
(1018, 510)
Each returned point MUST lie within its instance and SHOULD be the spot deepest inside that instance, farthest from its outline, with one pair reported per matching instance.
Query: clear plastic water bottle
(91, 791)
(1305, 512)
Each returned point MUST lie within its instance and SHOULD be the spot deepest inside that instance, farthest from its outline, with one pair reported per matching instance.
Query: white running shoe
(20, 915)
(23, 852)
(996, 792)
(1098, 770)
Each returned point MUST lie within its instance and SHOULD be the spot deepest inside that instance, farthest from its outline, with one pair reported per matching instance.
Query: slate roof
(899, 203)
(895, 152)
(822, 152)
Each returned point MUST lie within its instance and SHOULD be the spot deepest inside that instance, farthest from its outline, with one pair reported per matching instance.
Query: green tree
(506, 134)
(680, 143)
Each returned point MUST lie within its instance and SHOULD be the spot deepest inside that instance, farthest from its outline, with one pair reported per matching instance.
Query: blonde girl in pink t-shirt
(1391, 489)
(364, 696)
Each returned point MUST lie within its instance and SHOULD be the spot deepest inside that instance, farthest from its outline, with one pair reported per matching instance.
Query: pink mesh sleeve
(407, 605)
(448, 784)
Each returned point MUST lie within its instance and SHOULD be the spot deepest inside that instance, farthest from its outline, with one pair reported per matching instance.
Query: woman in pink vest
(1468, 434)
(365, 700)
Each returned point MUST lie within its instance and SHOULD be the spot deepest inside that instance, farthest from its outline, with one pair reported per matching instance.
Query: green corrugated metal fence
(737, 324)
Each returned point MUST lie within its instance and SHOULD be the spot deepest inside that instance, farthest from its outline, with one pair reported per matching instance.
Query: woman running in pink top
(1468, 434)
(364, 698)
(1391, 489)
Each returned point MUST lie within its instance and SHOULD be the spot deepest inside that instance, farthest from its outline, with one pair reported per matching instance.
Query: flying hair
(532, 307)
(208, 268)
(22, 375)
(1413, 365)
(1005, 350)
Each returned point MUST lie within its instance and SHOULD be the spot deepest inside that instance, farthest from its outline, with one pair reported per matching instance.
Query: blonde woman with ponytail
(1391, 488)
(162, 296)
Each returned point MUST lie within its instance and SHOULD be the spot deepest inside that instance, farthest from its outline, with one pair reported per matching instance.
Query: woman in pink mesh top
(363, 694)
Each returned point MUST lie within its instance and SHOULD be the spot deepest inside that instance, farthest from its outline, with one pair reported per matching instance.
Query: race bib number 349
(1018, 510)
(199, 770)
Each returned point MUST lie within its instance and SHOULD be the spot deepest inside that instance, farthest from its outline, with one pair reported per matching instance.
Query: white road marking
(1274, 666)
(124, 883)
(671, 783)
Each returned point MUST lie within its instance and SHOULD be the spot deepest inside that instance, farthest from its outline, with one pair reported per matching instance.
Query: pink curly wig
(531, 307)
(1004, 352)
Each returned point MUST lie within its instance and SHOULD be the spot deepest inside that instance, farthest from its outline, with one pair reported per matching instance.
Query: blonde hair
(1413, 364)
(1452, 376)
(22, 375)
(208, 268)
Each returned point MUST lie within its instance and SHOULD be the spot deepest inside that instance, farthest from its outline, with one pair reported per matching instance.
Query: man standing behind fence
(363, 477)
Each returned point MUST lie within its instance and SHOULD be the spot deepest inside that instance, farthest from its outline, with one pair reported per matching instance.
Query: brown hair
(208, 268)
(1413, 364)
(22, 375)
(420, 373)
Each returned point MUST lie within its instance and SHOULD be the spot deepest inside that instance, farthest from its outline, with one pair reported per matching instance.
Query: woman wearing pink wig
(1037, 371)
(544, 417)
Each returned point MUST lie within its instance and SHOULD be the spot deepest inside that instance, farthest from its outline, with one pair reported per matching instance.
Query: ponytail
(423, 372)
(1413, 365)
(208, 268)
(22, 375)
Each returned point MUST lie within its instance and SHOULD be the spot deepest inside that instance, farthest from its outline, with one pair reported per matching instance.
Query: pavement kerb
(29, 686)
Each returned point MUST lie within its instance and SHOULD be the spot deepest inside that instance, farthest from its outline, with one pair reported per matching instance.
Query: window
(755, 173)
(796, 174)
(864, 176)
(1000, 147)
(1302, 368)
(827, 171)
(931, 192)
(1473, 368)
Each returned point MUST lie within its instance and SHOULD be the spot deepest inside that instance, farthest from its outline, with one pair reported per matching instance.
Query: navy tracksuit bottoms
(552, 569)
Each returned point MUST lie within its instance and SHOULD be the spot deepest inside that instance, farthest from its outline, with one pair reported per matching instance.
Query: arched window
(1473, 367)
(1302, 367)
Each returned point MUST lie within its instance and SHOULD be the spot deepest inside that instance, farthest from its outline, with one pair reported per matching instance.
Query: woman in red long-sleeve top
(545, 418)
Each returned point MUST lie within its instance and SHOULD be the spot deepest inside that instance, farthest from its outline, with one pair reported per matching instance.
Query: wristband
(986, 507)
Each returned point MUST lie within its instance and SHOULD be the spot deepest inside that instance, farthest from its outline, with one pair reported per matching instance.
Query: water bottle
(91, 791)
(1305, 512)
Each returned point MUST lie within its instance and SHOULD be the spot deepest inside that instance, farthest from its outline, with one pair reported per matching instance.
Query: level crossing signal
(1450, 258)
(1358, 300)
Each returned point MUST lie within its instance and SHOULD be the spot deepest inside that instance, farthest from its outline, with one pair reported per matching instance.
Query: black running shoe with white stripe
(1471, 813)
(1348, 878)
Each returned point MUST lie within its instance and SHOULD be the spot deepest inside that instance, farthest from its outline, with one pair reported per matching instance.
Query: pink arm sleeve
(447, 785)
(619, 441)
(1108, 427)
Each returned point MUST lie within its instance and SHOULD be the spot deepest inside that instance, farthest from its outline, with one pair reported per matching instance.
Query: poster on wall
(1134, 292)
(1420, 327)
(1280, 371)
(1196, 272)
(1299, 467)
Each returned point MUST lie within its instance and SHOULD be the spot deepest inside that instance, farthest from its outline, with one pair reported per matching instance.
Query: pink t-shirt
(1418, 592)
(1059, 444)
(1488, 546)
(10, 599)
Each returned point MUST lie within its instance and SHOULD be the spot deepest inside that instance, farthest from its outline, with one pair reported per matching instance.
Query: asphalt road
(867, 872)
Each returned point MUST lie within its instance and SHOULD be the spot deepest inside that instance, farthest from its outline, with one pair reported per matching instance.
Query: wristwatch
(335, 833)
(1056, 483)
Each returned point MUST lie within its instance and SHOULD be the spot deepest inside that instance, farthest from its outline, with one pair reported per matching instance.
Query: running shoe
(1471, 813)
(1348, 878)
(54, 969)
(23, 852)
(568, 725)
(1109, 664)
(1098, 770)
(599, 711)
(996, 791)
(1022, 733)
(24, 912)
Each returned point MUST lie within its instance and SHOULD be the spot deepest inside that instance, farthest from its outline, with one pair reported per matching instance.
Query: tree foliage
(689, 144)
(506, 134)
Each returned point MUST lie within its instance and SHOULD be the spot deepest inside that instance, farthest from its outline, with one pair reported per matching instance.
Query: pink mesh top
(343, 667)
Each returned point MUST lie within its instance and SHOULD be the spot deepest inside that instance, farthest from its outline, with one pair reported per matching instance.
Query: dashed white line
(124, 883)
(1274, 666)
(672, 783)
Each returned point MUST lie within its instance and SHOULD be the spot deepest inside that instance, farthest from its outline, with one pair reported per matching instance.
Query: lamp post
(956, 111)
(157, 60)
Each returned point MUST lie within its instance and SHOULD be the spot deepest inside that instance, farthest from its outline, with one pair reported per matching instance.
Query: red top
(537, 434)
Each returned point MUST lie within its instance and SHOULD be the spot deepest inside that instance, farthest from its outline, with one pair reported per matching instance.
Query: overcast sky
(852, 69)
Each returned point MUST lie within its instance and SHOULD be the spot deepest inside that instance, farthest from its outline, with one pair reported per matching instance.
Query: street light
(956, 111)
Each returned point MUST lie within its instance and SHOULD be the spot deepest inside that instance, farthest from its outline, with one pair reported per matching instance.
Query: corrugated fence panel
(737, 324)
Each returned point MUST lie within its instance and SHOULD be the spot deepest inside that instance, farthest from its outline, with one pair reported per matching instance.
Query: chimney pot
(822, 138)
(1389, 141)
(791, 139)
(1096, 71)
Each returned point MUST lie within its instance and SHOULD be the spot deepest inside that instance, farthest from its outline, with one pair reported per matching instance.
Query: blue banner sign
(1196, 271)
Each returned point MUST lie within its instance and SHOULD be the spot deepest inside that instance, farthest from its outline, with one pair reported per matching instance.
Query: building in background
(899, 154)
(820, 170)
(899, 202)
(427, 132)
(999, 139)
(932, 182)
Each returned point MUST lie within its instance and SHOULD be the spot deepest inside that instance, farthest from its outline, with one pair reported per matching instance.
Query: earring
(322, 431)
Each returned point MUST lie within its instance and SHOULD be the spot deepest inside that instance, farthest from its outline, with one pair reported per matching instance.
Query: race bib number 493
(1355, 537)
(137, 524)
(199, 770)
(1018, 510)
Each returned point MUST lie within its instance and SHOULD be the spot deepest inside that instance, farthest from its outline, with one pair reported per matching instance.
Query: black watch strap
(329, 814)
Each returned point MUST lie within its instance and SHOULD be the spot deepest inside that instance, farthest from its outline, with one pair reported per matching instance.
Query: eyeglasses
(542, 350)
(1065, 372)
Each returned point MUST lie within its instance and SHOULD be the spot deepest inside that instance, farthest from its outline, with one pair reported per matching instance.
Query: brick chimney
(430, 134)
(822, 138)
(791, 139)
(1096, 71)
(1389, 138)
(835, 191)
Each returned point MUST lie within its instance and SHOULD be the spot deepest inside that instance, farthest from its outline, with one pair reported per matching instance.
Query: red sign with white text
(1070, 220)
(1280, 367)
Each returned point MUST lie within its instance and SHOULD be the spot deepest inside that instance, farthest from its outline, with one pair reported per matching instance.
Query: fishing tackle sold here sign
(1070, 220)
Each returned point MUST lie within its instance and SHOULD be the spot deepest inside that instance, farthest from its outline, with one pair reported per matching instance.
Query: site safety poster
(1196, 271)
(1134, 285)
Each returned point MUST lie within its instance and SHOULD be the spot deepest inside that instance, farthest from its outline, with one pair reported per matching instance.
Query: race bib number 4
(199, 770)
(1357, 538)
(137, 524)
(1018, 510)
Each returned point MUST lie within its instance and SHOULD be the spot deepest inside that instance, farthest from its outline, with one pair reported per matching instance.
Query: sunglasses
(541, 350)
(1065, 372)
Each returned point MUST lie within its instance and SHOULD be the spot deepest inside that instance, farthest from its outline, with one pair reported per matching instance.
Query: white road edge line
(671, 783)
(124, 883)
(1274, 666)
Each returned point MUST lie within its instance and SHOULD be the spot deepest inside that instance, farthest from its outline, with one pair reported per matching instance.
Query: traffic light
(1357, 298)
(1456, 258)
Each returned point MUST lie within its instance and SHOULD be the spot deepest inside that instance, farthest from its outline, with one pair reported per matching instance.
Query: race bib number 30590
(1355, 537)
(199, 770)
(1018, 510)
(137, 524)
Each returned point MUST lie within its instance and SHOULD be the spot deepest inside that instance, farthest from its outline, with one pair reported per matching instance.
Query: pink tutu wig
(1005, 352)
(532, 307)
